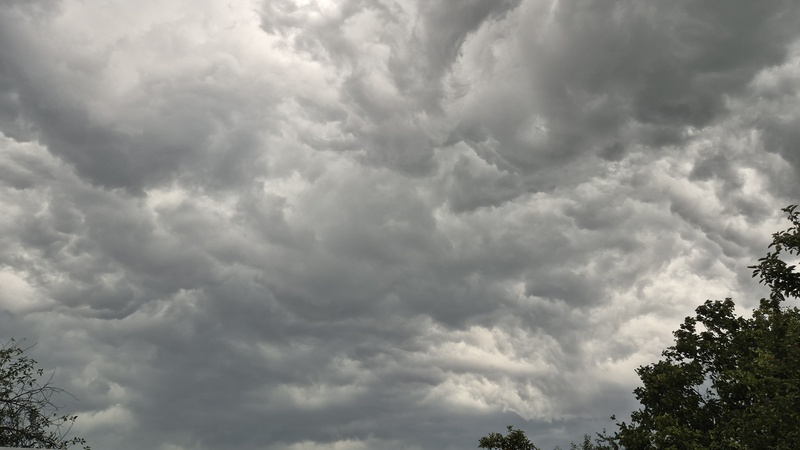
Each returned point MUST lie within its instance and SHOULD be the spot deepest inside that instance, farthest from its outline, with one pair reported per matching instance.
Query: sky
(386, 224)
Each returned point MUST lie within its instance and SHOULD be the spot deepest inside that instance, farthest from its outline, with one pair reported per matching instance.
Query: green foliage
(728, 382)
(28, 416)
(514, 440)
(773, 271)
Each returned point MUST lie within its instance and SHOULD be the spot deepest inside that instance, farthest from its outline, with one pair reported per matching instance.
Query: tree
(729, 382)
(515, 440)
(773, 271)
(28, 416)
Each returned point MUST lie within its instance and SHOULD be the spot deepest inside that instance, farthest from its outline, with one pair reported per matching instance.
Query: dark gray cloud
(605, 77)
(398, 225)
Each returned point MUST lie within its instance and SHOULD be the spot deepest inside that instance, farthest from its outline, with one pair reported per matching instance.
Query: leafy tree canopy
(517, 440)
(514, 440)
(728, 382)
(28, 416)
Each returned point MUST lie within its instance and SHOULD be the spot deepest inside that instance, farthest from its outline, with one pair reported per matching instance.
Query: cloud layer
(397, 224)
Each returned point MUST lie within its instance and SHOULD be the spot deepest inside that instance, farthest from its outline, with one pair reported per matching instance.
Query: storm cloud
(301, 224)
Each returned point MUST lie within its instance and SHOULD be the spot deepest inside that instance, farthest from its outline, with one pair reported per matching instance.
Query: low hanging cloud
(348, 225)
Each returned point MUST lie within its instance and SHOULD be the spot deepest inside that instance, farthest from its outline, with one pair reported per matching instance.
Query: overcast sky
(386, 224)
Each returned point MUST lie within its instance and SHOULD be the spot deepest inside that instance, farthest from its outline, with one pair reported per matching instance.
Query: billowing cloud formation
(395, 224)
